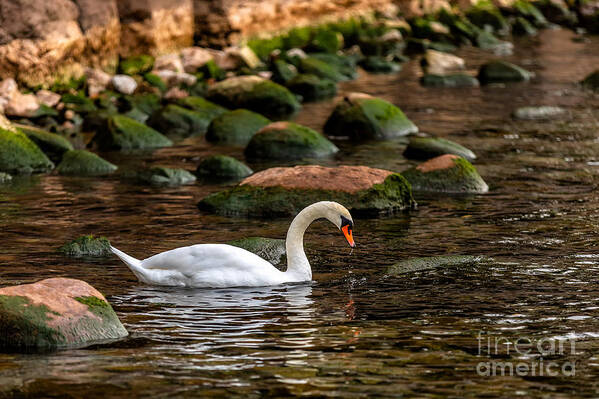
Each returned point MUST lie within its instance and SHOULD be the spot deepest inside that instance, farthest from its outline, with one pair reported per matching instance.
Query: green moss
(288, 140)
(263, 47)
(177, 121)
(87, 246)
(211, 70)
(136, 65)
(311, 87)
(322, 69)
(222, 167)
(326, 40)
(97, 306)
(298, 37)
(161, 176)
(18, 154)
(345, 65)
(142, 104)
(235, 127)
(63, 86)
(124, 133)
(78, 103)
(363, 118)
(24, 325)
(244, 200)
(451, 80)
(282, 72)
(271, 249)
(461, 178)
(501, 71)
(522, 27)
(156, 81)
(528, 10)
(84, 163)
(51, 144)
(377, 64)
(431, 147)
(485, 13)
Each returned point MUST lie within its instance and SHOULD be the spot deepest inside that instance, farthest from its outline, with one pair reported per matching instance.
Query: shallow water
(352, 332)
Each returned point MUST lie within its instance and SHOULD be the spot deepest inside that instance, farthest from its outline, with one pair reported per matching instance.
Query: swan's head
(340, 217)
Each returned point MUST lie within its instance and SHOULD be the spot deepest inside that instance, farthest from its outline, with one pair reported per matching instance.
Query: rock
(362, 117)
(84, 163)
(195, 57)
(591, 81)
(141, 106)
(155, 81)
(235, 127)
(431, 147)
(18, 154)
(311, 87)
(451, 80)
(448, 174)
(326, 41)
(278, 192)
(242, 56)
(174, 120)
(522, 27)
(542, 112)
(136, 64)
(161, 176)
(53, 145)
(124, 133)
(439, 63)
(388, 43)
(124, 84)
(419, 46)
(501, 71)
(322, 69)
(271, 249)
(282, 72)
(377, 64)
(557, 12)
(87, 246)
(172, 79)
(531, 13)
(8, 88)
(55, 313)
(97, 81)
(5, 124)
(433, 262)
(47, 98)
(200, 104)
(222, 167)
(23, 105)
(256, 94)
(5, 178)
(344, 65)
(485, 13)
(175, 93)
(288, 140)
(486, 41)
(168, 62)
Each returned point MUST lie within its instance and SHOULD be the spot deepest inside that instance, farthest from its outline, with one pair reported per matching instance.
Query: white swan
(222, 265)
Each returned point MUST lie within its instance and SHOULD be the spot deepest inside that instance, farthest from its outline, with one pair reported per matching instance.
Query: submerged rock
(543, 112)
(87, 246)
(235, 127)
(5, 178)
(162, 176)
(55, 313)
(84, 163)
(271, 249)
(431, 147)
(376, 64)
(256, 94)
(501, 71)
(174, 120)
(361, 117)
(591, 81)
(18, 154)
(452, 80)
(222, 167)
(124, 133)
(447, 174)
(53, 145)
(433, 262)
(286, 191)
(311, 87)
(288, 140)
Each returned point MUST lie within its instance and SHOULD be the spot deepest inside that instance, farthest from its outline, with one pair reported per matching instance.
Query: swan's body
(221, 265)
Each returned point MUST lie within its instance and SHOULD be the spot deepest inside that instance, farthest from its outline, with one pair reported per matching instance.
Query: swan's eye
(346, 222)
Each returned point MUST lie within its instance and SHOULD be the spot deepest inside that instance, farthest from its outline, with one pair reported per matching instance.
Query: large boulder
(124, 133)
(235, 127)
(286, 191)
(502, 71)
(84, 163)
(288, 140)
(55, 313)
(53, 145)
(431, 147)
(360, 117)
(18, 154)
(222, 167)
(448, 174)
(256, 94)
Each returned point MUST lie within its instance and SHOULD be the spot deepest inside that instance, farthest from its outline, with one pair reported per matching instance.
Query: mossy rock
(529, 11)
(124, 133)
(419, 46)
(263, 47)
(282, 72)
(177, 121)
(557, 13)
(447, 174)
(501, 71)
(271, 249)
(345, 65)
(521, 27)
(362, 117)
(235, 127)
(377, 64)
(376, 46)
(18, 154)
(450, 80)
(459, 26)
(391, 194)
(423, 28)
(222, 167)
(162, 176)
(141, 106)
(5, 178)
(314, 66)
(136, 64)
(87, 246)
(53, 145)
(485, 13)
(434, 262)
(156, 81)
(326, 41)
(298, 37)
(256, 94)
(591, 81)
(78, 103)
(288, 140)
(200, 104)
(84, 163)
(311, 87)
(431, 147)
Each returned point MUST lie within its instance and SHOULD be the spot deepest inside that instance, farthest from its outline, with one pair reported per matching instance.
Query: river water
(353, 332)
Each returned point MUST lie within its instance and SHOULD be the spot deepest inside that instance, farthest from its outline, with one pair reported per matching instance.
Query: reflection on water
(354, 332)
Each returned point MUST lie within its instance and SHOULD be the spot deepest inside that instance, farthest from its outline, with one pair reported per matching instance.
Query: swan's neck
(298, 267)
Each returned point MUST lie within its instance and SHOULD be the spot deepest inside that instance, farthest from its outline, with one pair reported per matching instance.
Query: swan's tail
(134, 264)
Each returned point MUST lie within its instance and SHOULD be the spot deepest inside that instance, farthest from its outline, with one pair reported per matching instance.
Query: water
(352, 332)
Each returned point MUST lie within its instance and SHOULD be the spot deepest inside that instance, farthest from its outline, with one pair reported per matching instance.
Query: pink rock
(175, 93)
(168, 62)
(24, 105)
(195, 57)
(48, 98)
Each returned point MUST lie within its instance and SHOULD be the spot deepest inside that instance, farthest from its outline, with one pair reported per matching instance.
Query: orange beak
(348, 235)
